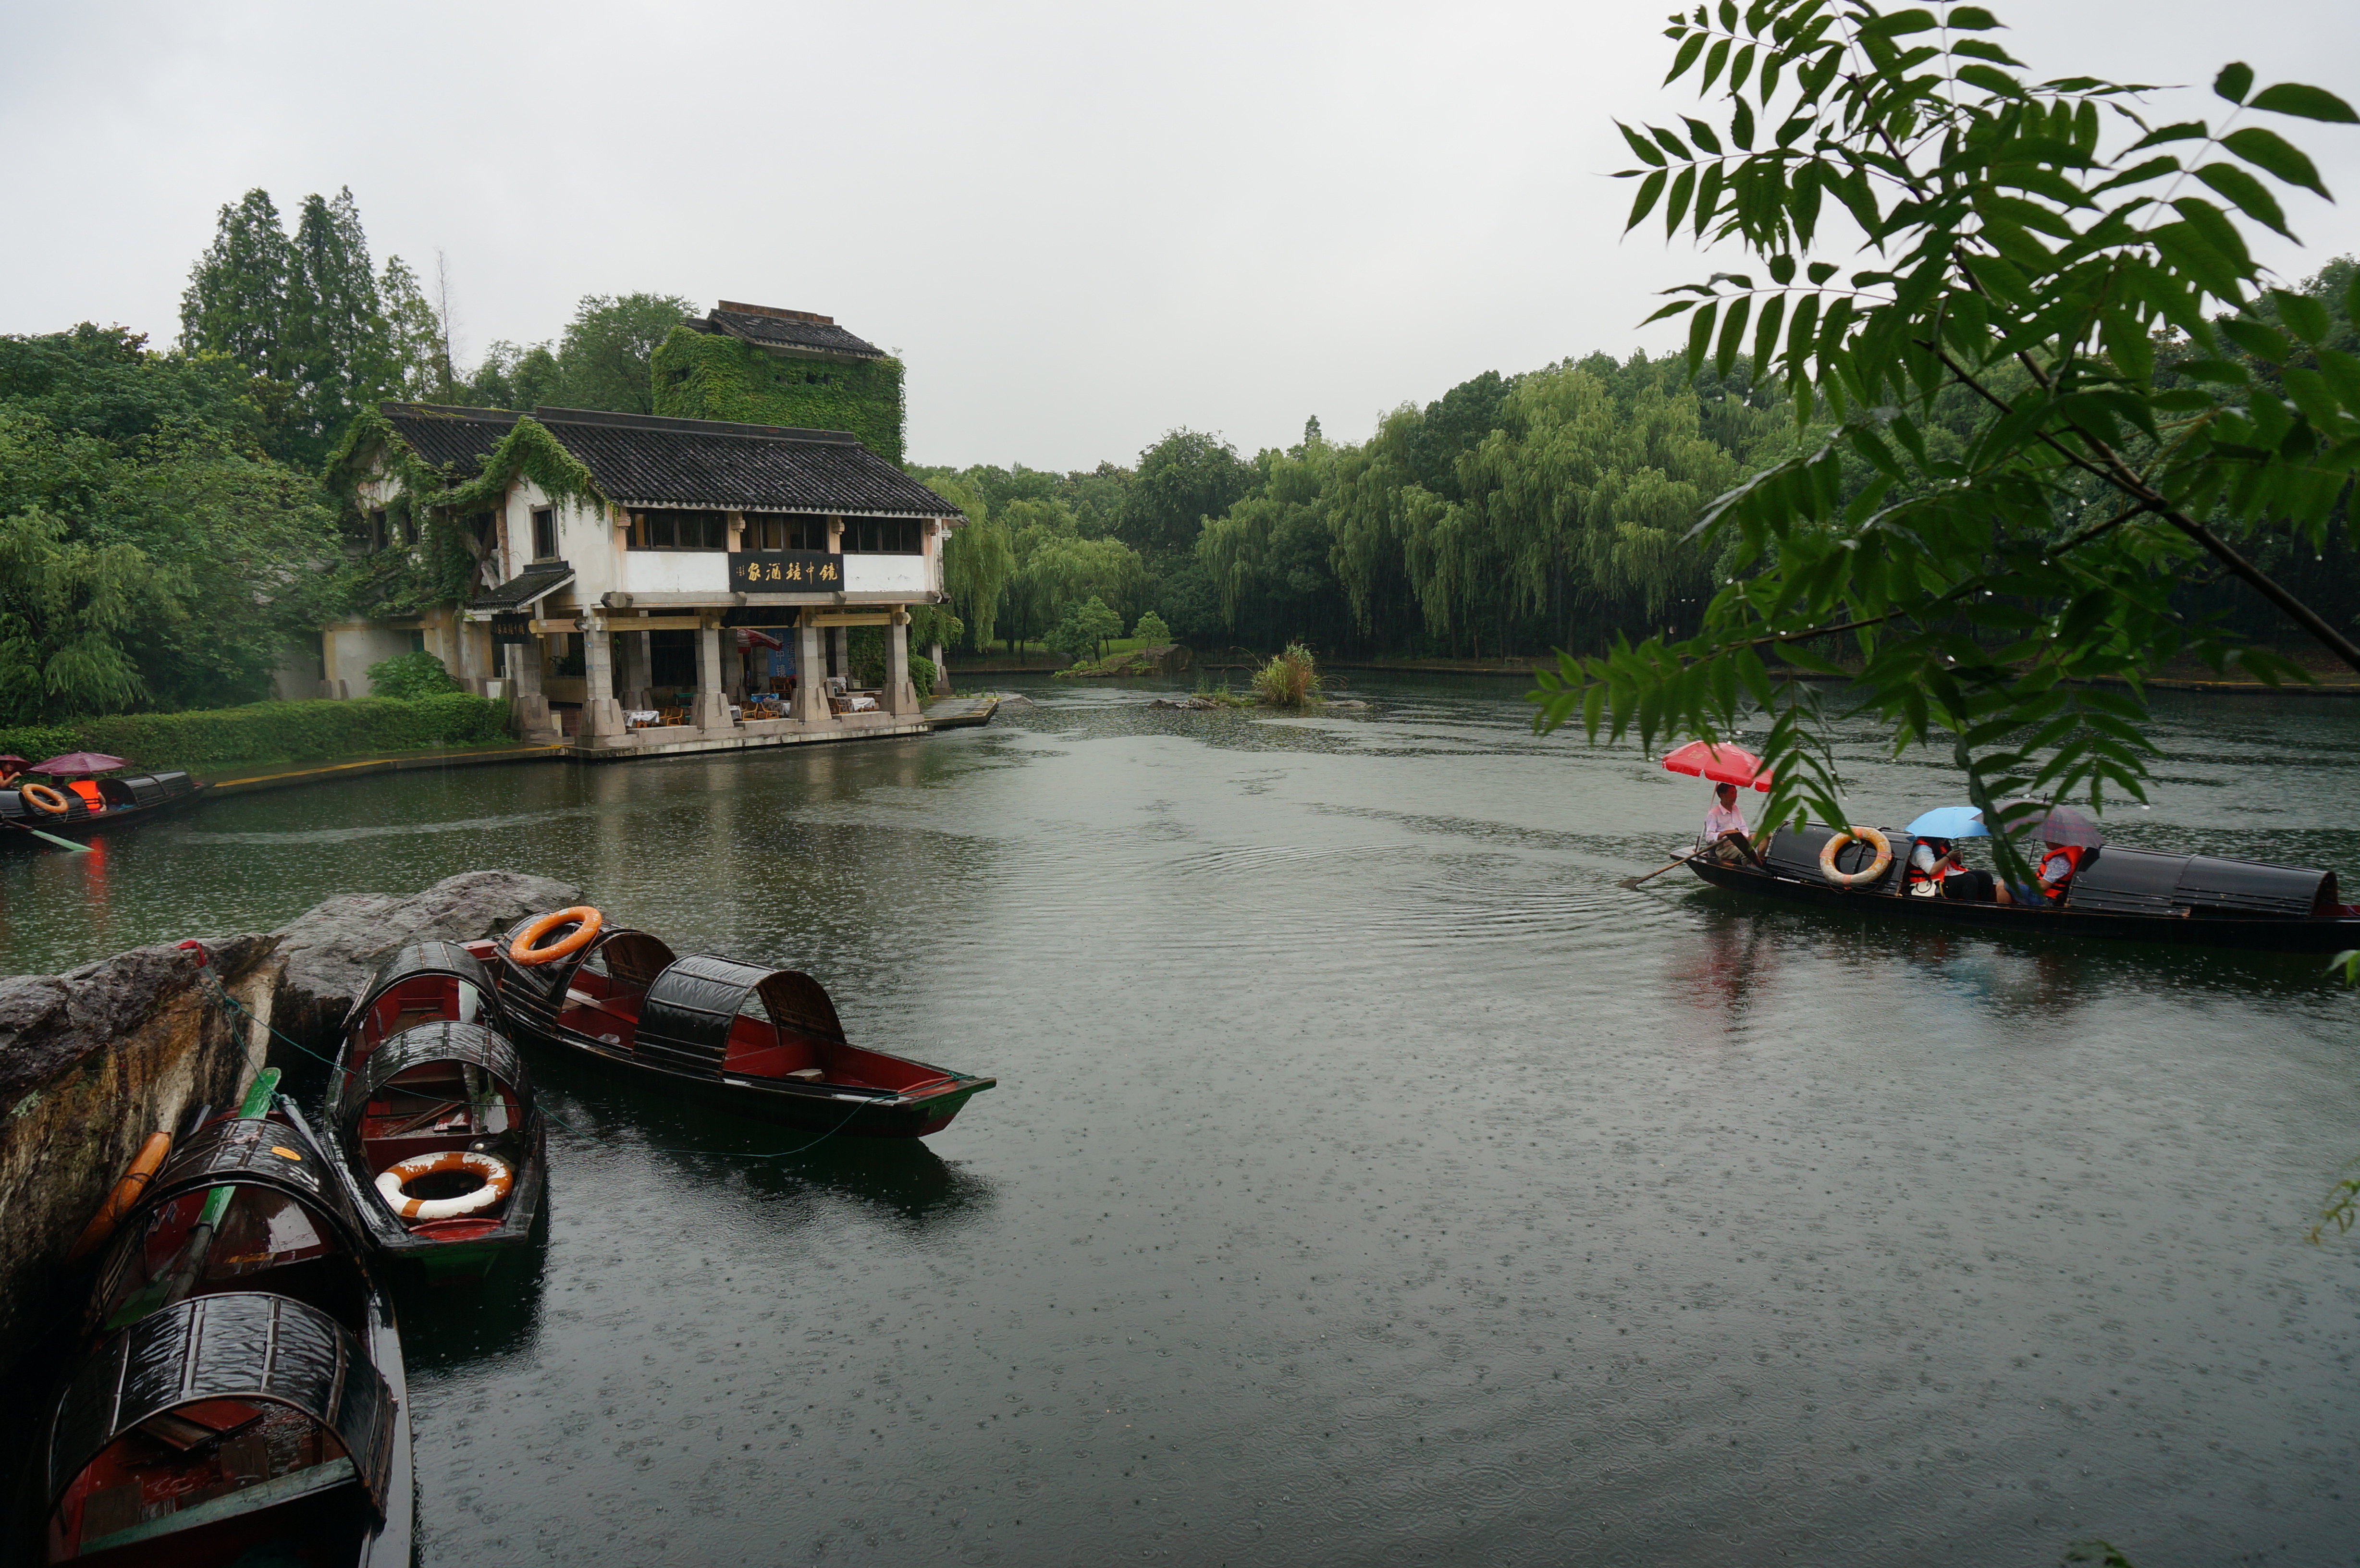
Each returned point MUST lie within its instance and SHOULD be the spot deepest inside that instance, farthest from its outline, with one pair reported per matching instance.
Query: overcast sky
(1080, 224)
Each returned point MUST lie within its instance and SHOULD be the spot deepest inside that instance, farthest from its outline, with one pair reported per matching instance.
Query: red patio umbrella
(78, 764)
(1721, 763)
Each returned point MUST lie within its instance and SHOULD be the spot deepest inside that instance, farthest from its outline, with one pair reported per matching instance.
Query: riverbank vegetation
(271, 732)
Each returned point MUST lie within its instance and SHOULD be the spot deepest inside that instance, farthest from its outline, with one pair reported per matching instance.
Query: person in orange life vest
(1725, 835)
(1935, 867)
(2057, 870)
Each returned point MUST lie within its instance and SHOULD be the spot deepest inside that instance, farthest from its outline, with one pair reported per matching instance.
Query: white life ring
(1871, 872)
(496, 1176)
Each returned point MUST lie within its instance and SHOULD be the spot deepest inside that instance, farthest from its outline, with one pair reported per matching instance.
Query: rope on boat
(221, 992)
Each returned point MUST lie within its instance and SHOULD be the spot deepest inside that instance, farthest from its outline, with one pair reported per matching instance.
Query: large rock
(328, 952)
(90, 1062)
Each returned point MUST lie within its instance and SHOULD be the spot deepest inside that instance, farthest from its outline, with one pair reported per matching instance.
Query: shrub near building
(272, 732)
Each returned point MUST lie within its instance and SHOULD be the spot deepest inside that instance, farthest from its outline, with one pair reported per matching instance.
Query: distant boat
(2133, 895)
(242, 1399)
(433, 1110)
(78, 807)
(760, 1042)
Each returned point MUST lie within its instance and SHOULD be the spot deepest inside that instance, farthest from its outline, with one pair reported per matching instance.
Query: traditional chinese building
(628, 562)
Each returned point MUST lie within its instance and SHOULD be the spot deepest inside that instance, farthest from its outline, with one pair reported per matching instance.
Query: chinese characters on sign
(786, 572)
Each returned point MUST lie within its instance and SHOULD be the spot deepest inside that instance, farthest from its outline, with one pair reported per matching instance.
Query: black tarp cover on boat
(427, 958)
(537, 991)
(2210, 886)
(247, 1345)
(2117, 881)
(133, 790)
(1796, 853)
(685, 1020)
(475, 1044)
(257, 1151)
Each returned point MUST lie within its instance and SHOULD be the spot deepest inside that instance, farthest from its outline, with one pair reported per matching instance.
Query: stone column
(901, 697)
(602, 716)
(941, 670)
(638, 677)
(530, 711)
(811, 698)
(841, 641)
(711, 713)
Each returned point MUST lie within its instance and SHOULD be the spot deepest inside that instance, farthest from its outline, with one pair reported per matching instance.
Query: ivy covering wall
(701, 375)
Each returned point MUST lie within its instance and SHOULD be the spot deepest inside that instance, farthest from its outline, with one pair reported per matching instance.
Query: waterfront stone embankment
(93, 1060)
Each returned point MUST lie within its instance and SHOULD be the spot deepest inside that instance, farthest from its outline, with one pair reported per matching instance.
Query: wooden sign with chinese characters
(786, 572)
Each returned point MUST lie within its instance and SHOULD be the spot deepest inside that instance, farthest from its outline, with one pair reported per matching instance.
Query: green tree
(1083, 628)
(236, 303)
(513, 377)
(333, 347)
(1150, 631)
(64, 606)
(604, 359)
(2082, 304)
(979, 561)
(1182, 480)
(417, 338)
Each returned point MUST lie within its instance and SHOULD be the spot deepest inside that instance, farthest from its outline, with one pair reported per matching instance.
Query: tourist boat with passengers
(241, 1399)
(761, 1041)
(65, 796)
(2130, 894)
(433, 1110)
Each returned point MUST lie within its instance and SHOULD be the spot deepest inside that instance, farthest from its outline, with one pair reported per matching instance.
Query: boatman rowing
(1725, 835)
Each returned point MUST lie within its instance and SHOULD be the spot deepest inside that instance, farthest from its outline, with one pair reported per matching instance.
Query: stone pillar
(529, 710)
(602, 716)
(840, 641)
(712, 701)
(638, 678)
(901, 697)
(941, 670)
(811, 697)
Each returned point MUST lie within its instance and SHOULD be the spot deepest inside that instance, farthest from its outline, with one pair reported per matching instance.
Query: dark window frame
(544, 533)
(786, 530)
(663, 527)
(884, 536)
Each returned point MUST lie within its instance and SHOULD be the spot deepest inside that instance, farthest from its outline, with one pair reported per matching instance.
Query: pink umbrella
(1721, 763)
(78, 764)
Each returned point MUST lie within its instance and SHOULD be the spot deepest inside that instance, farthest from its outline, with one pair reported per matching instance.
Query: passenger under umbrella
(1936, 871)
(1725, 833)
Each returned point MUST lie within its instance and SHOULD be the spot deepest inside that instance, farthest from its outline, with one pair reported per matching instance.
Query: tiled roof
(789, 330)
(446, 436)
(534, 583)
(641, 460)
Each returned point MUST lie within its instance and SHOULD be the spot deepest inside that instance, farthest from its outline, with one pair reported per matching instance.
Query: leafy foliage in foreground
(2039, 250)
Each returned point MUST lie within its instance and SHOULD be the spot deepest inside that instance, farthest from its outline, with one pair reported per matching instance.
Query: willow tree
(2042, 252)
(978, 561)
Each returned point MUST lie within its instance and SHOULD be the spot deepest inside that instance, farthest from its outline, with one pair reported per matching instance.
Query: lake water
(1371, 1180)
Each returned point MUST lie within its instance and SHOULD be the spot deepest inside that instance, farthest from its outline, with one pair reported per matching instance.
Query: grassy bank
(316, 731)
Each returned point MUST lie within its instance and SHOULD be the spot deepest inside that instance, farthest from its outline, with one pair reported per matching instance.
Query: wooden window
(788, 532)
(883, 536)
(376, 531)
(544, 533)
(679, 529)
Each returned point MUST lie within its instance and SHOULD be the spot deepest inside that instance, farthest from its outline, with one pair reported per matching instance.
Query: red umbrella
(1721, 763)
(78, 764)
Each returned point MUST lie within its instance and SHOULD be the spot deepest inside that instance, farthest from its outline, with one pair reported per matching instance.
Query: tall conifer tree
(334, 341)
(236, 299)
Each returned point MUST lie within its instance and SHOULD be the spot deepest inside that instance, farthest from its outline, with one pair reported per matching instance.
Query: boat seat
(624, 1007)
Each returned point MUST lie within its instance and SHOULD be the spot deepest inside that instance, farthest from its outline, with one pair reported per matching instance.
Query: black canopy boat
(2130, 894)
(433, 1113)
(78, 807)
(763, 1042)
(245, 1394)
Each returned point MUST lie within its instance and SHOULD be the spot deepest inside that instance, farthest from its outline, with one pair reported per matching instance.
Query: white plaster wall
(911, 574)
(674, 571)
(355, 647)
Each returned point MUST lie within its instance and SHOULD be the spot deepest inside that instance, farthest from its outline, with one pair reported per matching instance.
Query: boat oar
(1628, 882)
(52, 838)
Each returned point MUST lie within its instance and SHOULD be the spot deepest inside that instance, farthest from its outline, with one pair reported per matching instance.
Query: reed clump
(1291, 680)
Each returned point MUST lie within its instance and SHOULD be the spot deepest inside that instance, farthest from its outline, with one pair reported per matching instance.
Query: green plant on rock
(410, 675)
(1291, 680)
(2059, 291)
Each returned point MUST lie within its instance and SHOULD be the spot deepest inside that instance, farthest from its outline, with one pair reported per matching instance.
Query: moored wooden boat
(93, 806)
(2119, 893)
(244, 1398)
(761, 1041)
(429, 1095)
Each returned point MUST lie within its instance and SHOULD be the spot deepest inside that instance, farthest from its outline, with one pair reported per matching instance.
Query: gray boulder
(330, 950)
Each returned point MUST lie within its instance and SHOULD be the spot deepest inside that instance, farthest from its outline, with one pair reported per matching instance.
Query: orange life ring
(497, 1175)
(44, 797)
(143, 1166)
(523, 951)
(1871, 872)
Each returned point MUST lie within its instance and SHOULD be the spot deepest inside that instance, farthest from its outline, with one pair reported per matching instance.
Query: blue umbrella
(1950, 822)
